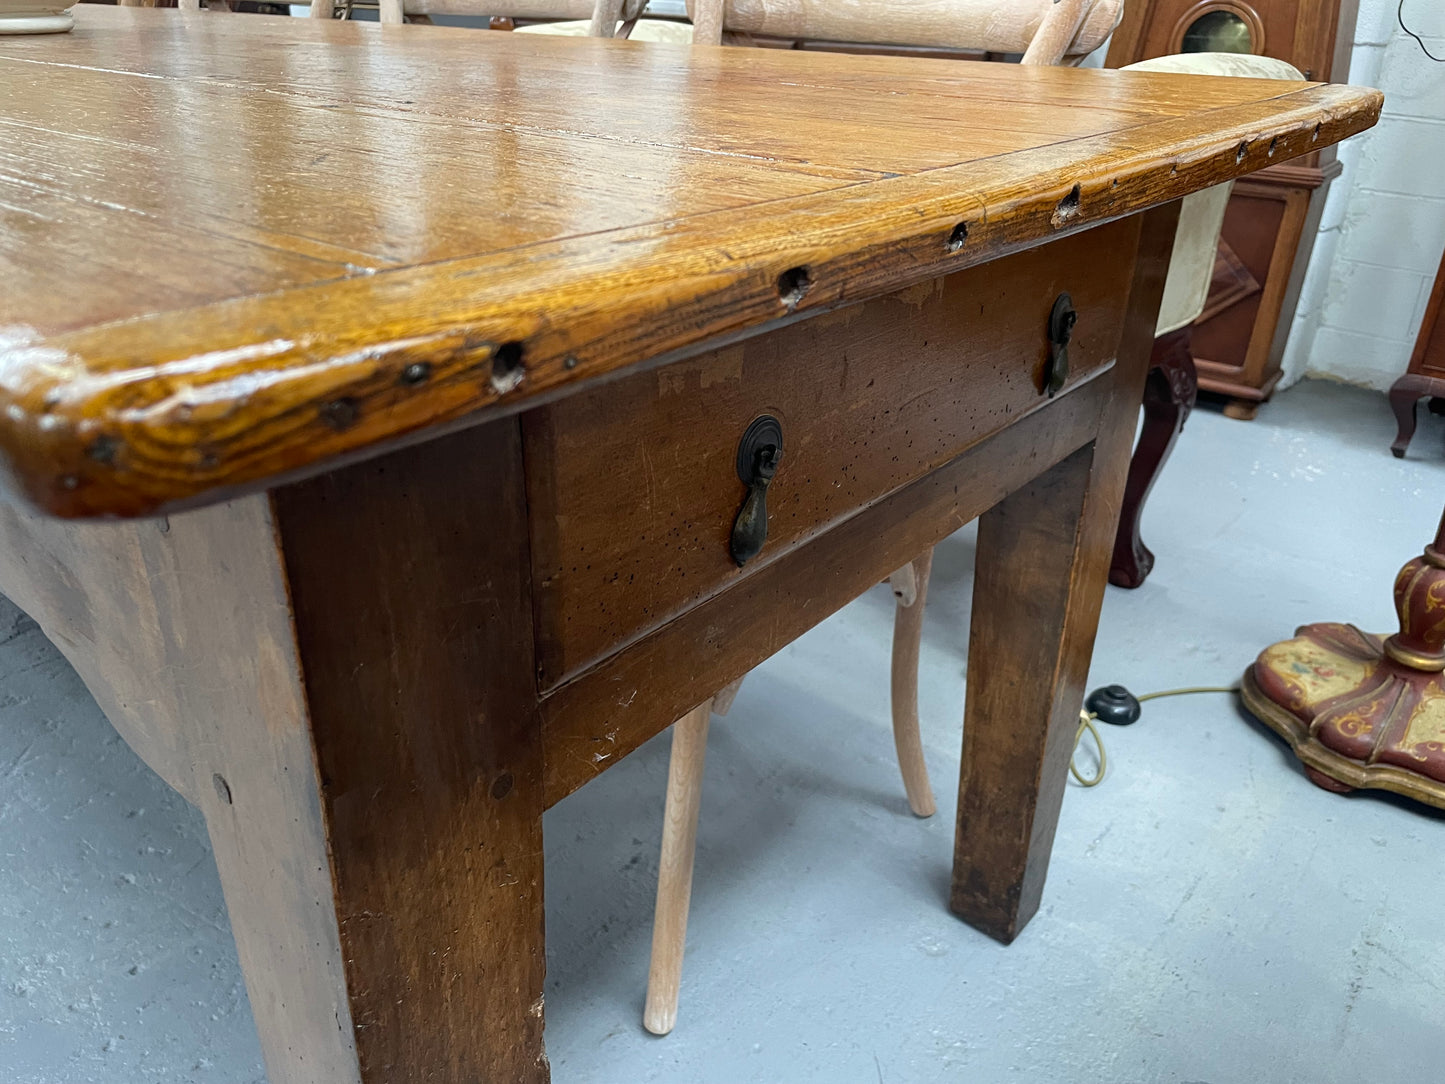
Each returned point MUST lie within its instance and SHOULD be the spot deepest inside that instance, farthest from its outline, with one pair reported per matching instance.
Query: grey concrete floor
(1210, 916)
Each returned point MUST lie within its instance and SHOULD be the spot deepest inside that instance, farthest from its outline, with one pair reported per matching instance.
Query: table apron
(596, 719)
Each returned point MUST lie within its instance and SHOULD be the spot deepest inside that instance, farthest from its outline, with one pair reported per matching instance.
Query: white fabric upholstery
(1201, 218)
(999, 26)
(645, 30)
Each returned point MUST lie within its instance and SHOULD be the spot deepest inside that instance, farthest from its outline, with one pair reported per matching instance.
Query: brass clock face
(1218, 32)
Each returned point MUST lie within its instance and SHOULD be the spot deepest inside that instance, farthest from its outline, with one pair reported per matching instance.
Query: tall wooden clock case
(1274, 214)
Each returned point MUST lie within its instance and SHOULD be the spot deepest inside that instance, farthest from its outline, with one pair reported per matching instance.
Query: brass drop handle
(759, 453)
(1061, 329)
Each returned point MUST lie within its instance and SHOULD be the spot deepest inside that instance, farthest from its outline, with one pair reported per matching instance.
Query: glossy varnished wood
(245, 253)
(405, 229)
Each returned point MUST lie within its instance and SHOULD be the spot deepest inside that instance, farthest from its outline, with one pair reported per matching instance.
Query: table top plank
(249, 248)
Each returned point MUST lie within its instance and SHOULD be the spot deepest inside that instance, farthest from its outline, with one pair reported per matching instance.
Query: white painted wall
(1383, 229)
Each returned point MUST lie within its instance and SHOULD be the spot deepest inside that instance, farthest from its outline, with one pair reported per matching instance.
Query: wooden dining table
(375, 407)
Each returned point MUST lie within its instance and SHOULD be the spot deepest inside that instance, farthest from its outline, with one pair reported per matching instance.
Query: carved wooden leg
(912, 594)
(1169, 394)
(1042, 559)
(674, 873)
(1405, 396)
(341, 677)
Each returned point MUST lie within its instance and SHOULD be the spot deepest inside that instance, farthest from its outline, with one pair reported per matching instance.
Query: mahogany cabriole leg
(341, 677)
(1404, 402)
(1042, 559)
(1169, 394)
(674, 873)
(1405, 396)
(911, 590)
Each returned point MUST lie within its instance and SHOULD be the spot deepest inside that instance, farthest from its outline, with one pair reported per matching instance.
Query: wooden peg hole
(1068, 207)
(507, 367)
(793, 286)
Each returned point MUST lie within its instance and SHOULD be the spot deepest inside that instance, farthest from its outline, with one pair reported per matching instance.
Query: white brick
(1422, 302)
(1414, 85)
(1372, 300)
(1376, 22)
(1365, 64)
(1358, 359)
(1309, 313)
(1389, 230)
(1404, 155)
(1315, 287)
(1383, 225)
(1338, 198)
(1299, 347)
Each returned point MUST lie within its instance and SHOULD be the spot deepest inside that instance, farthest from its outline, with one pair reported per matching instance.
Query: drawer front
(633, 487)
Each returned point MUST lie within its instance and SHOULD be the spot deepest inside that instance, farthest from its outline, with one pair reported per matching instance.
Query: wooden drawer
(911, 381)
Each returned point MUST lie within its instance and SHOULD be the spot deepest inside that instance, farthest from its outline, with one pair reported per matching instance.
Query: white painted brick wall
(1383, 228)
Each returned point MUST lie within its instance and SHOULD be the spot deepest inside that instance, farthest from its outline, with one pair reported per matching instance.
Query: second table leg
(1043, 556)
(1032, 634)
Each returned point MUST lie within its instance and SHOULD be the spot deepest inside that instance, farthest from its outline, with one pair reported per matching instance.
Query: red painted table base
(1365, 711)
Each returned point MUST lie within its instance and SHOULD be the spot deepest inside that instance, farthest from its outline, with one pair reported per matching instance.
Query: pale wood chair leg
(1056, 32)
(674, 874)
(911, 590)
(722, 702)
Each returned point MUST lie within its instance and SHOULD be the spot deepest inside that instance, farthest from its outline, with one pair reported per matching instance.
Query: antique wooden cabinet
(1426, 375)
(1274, 214)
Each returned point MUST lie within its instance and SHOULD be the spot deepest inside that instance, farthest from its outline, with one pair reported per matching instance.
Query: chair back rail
(604, 15)
(1068, 28)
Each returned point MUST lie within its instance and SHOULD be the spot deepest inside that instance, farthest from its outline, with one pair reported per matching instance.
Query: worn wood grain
(410, 582)
(1039, 573)
(911, 380)
(181, 630)
(370, 775)
(144, 405)
(597, 718)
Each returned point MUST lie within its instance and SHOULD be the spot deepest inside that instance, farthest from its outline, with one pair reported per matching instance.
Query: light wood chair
(1046, 32)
